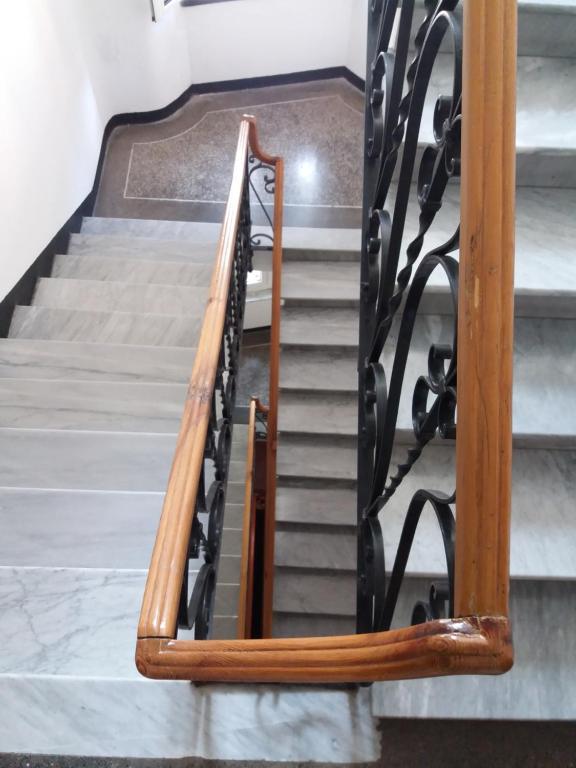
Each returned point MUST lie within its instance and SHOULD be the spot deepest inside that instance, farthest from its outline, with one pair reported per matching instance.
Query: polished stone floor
(180, 168)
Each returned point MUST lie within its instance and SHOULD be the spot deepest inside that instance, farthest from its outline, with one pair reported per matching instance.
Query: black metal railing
(394, 277)
(196, 607)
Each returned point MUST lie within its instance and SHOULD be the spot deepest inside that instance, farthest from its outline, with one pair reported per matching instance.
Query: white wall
(68, 66)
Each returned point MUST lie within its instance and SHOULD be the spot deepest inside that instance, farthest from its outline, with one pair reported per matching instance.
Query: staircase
(315, 555)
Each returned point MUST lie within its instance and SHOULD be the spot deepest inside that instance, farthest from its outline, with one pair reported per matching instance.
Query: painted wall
(68, 66)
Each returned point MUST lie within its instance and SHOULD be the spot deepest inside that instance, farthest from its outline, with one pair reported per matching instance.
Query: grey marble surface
(318, 594)
(544, 361)
(153, 719)
(78, 622)
(66, 459)
(319, 326)
(327, 549)
(317, 369)
(540, 686)
(140, 271)
(77, 529)
(107, 296)
(321, 283)
(104, 327)
(78, 361)
(142, 248)
(108, 406)
(315, 506)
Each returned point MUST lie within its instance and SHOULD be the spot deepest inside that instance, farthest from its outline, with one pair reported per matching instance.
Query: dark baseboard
(23, 291)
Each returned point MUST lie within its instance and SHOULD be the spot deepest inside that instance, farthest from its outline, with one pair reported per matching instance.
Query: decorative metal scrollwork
(394, 278)
(195, 610)
(266, 174)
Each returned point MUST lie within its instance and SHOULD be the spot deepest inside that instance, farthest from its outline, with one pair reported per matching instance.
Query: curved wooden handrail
(471, 644)
(158, 617)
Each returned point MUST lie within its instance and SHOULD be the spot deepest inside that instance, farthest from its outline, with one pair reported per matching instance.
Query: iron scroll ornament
(394, 278)
(196, 606)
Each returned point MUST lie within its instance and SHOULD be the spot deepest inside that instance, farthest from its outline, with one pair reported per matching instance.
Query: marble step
(86, 361)
(322, 413)
(75, 621)
(315, 506)
(118, 721)
(541, 684)
(141, 248)
(93, 405)
(545, 148)
(199, 233)
(319, 283)
(311, 625)
(106, 296)
(125, 328)
(322, 370)
(336, 242)
(307, 458)
(543, 543)
(96, 461)
(544, 361)
(332, 594)
(317, 549)
(545, 28)
(128, 270)
(117, 530)
(319, 326)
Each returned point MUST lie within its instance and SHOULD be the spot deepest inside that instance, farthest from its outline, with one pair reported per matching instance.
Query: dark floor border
(23, 291)
(221, 86)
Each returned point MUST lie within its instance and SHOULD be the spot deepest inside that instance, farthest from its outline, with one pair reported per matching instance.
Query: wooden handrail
(158, 617)
(479, 641)
(486, 310)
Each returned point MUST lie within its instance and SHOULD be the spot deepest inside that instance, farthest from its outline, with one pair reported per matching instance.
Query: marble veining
(105, 327)
(77, 361)
(139, 271)
(107, 461)
(107, 296)
(176, 719)
(117, 406)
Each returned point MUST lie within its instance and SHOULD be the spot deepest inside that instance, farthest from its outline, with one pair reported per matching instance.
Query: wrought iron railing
(196, 494)
(395, 275)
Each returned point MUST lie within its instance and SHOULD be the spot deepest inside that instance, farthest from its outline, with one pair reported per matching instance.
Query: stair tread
(322, 370)
(108, 296)
(544, 351)
(114, 246)
(319, 326)
(130, 328)
(94, 405)
(128, 270)
(542, 546)
(329, 593)
(74, 622)
(320, 283)
(317, 549)
(326, 506)
(318, 413)
(22, 358)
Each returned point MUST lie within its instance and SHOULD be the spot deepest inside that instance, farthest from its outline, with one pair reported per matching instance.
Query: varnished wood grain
(159, 612)
(272, 439)
(446, 647)
(486, 309)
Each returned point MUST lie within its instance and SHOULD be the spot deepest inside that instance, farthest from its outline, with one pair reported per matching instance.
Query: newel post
(486, 309)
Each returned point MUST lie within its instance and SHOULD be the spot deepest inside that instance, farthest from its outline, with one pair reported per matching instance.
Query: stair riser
(104, 327)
